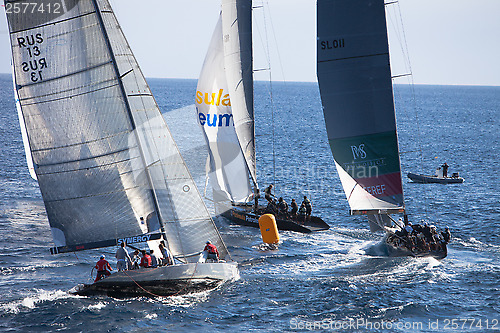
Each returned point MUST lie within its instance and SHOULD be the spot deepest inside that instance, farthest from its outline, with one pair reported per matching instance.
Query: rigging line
(273, 31)
(268, 55)
(413, 100)
(401, 35)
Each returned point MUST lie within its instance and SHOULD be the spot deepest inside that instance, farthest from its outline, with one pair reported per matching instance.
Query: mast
(128, 108)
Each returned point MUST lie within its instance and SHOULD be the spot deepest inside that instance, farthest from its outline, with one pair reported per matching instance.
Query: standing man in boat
(445, 169)
(167, 258)
(154, 260)
(212, 252)
(122, 258)
(307, 203)
(295, 208)
(446, 234)
(302, 213)
(102, 267)
(268, 193)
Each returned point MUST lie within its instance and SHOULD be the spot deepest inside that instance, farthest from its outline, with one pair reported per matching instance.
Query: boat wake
(380, 249)
(37, 297)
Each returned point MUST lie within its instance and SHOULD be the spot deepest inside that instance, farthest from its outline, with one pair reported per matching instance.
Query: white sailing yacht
(225, 112)
(354, 77)
(108, 168)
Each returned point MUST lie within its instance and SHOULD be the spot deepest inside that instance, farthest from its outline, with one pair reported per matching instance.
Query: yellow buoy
(268, 229)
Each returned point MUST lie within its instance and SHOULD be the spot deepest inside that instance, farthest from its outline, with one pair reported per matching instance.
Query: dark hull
(404, 252)
(427, 179)
(162, 281)
(245, 216)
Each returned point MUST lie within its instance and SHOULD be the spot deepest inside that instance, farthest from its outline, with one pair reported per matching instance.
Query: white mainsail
(106, 163)
(355, 84)
(227, 168)
(238, 62)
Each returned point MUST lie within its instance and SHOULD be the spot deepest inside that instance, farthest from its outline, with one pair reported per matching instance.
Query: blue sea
(337, 280)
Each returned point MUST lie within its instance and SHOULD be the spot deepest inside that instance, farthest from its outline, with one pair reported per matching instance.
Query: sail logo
(358, 151)
(213, 99)
(215, 120)
(135, 239)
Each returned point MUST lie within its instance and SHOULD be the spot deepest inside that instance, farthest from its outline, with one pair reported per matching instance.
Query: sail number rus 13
(35, 64)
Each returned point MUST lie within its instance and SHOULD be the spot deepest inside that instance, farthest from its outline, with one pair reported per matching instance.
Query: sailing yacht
(354, 77)
(225, 112)
(107, 166)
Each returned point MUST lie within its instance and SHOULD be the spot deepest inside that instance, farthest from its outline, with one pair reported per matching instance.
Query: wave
(31, 301)
(475, 244)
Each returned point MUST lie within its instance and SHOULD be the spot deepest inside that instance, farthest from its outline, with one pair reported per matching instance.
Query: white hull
(164, 281)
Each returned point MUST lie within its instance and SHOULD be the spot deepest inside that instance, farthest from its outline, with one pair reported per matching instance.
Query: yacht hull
(163, 281)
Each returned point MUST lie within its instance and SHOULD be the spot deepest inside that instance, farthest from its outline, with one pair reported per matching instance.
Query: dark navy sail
(354, 78)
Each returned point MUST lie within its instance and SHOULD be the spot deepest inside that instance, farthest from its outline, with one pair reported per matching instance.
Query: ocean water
(337, 280)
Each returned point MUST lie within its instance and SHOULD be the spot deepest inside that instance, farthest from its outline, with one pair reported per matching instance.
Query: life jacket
(146, 261)
(211, 248)
(102, 265)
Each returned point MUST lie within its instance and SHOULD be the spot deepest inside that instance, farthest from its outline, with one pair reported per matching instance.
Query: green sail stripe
(367, 155)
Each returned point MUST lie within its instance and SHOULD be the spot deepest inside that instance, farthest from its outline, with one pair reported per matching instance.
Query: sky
(448, 41)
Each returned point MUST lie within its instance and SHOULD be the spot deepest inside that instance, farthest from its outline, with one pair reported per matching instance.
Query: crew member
(145, 260)
(282, 207)
(102, 267)
(167, 259)
(136, 258)
(445, 169)
(212, 252)
(122, 258)
(302, 213)
(446, 235)
(307, 203)
(154, 260)
(409, 228)
(268, 195)
(295, 208)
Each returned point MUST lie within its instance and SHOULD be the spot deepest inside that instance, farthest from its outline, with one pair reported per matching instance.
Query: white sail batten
(105, 160)
(227, 165)
(355, 84)
(238, 62)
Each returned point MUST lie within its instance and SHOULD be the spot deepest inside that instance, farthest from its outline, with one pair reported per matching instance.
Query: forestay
(356, 91)
(104, 158)
(228, 171)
